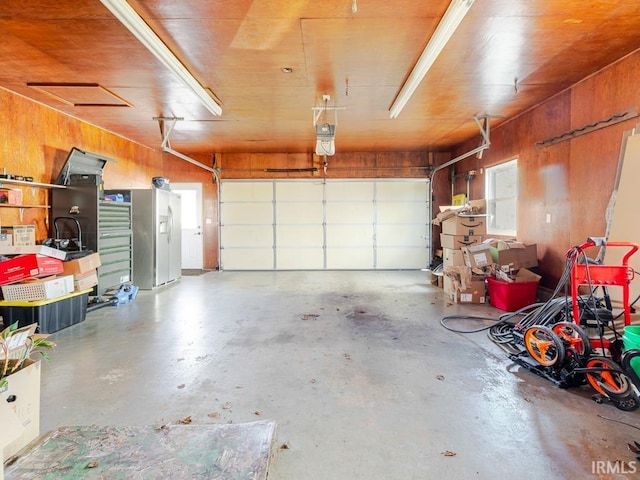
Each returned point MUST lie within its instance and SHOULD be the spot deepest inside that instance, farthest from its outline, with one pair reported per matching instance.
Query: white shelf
(29, 184)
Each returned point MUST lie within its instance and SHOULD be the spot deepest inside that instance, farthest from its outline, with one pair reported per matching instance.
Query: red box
(511, 296)
(26, 266)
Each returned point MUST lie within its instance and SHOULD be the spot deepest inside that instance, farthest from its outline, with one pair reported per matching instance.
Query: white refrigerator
(157, 239)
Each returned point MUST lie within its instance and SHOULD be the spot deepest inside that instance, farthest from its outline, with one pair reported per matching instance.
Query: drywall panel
(625, 224)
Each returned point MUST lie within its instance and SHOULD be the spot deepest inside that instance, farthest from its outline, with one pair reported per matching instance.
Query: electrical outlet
(548, 218)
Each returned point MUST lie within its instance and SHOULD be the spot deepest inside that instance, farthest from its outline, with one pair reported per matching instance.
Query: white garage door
(324, 224)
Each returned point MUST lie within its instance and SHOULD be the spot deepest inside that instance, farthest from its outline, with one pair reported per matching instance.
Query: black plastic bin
(50, 315)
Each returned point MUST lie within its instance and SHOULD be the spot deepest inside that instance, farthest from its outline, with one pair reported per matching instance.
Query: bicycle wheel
(573, 337)
(544, 346)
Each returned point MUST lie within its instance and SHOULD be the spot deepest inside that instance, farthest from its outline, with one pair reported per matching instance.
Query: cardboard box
(522, 275)
(456, 242)
(437, 279)
(23, 267)
(448, 285)
(12, 196)
(17, 249)
(82, 265)
(457, 277)
(451, 257)
(86, 280)
(23, 387)
(11, 431)
(39, 289)
(23, 234)
(465, 225)
(475, 292)
(474, 207)
(6, 239)
(516, 254)
(477, 256)
(16, 341)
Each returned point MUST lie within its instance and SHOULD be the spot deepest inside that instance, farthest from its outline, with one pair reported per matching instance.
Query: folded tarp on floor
(226, 451)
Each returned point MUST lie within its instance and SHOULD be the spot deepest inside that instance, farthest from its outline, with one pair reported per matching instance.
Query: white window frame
(502, 203)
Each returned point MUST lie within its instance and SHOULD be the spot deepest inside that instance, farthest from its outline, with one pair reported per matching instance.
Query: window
(501, 192)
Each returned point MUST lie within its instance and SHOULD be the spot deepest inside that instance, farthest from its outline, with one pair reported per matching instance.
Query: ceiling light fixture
(449, 23)
(138, 27)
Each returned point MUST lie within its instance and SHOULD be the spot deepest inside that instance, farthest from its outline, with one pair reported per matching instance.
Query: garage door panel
(246, 213)
(349, 258)
(349, 236)
(407, 258)
(410, 191)
(401, 213)
(401, 236)
(299, 236)
(247, 258)
(299, 213)
(247, 236)
(350, 213)
(247, 191)
(299, 258)
(349, 191)
(299, 191)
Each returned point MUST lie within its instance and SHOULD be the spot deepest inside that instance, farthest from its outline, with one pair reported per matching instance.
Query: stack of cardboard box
(19, 235)
(464, 283)
(469, 258)
(84, 271)
(33, 272)
(38, 272)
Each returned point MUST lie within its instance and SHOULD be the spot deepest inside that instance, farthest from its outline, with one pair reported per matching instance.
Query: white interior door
(191, 221)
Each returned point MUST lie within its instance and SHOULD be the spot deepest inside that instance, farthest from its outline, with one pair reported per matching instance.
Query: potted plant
(20, 384)
(16, 348)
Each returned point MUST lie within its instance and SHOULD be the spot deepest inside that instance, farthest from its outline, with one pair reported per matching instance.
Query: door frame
(198, 187)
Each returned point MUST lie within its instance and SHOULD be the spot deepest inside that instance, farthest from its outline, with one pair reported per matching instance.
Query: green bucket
(631, 341)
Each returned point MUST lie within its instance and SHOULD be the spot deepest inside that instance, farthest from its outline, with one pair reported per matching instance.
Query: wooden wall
(341, 165)
(572, 180)
(35, 141)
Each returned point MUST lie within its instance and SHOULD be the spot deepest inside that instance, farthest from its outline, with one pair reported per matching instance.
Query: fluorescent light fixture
(449, 23)
(136, 25)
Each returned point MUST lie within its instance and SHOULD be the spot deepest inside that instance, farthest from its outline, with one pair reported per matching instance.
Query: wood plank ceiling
(506, 56)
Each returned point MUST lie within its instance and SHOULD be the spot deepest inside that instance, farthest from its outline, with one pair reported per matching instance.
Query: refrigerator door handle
(169, 225)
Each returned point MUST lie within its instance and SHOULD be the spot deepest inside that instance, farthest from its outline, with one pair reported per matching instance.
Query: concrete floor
(355, 368)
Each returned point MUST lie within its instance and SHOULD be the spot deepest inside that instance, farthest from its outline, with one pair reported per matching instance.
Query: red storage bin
(511, 296)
